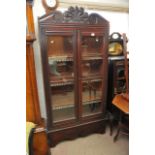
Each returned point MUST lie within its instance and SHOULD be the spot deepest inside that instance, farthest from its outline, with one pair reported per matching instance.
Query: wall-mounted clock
(115, 44)
(50, 5)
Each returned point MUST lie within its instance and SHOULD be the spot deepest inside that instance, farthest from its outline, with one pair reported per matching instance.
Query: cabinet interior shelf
(64, 58)
(90, 53)
(59, 100)
(92, 78)
(71, 82)
(70, 58)
(63, 107)
(61, 83)
(92, 58)
(92, 102)
(72, 105)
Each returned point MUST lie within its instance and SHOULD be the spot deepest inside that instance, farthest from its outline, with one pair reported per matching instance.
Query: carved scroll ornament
(74, 15)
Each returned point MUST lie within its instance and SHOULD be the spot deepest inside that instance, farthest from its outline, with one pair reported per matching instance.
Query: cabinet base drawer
(73, 132)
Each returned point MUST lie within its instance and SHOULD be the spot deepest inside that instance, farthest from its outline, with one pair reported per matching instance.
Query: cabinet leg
(119, 126)
(116, 136)
(111, 127)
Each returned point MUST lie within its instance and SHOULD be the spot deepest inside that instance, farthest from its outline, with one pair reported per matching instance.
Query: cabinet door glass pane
(92, 45)
(92, 74)
(92, 96)
(61, 69)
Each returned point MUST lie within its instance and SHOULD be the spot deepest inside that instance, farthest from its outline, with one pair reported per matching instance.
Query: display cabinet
(116, 62)
(117, 82)
(74, 49)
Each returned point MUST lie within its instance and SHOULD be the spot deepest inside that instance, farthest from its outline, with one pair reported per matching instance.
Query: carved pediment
(73, 15)
(76, 15)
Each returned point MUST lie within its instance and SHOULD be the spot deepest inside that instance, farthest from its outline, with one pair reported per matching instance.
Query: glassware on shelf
(63, 102)
(53, 68)
(92, 60)
(61, 69)
(61, 72)
(61, 58)
(91, 68)
(91, 96)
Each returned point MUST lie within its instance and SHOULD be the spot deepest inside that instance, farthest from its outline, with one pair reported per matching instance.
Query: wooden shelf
(72, 105)
(86, 58)
(61, 58)
(61, 80)
(67, 100)
(92, 78)
(68, 80)
(61, 83)
(92, 56)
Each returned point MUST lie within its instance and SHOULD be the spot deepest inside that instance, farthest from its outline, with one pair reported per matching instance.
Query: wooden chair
(121, 101)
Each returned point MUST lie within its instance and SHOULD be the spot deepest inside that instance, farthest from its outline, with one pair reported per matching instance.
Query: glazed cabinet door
(92, 72)
(61, 50)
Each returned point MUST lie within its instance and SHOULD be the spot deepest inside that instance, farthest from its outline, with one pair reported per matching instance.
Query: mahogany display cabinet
(74, 47)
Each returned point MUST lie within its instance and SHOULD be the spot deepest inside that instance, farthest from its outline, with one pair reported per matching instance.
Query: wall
(118, 23)
(112, 5)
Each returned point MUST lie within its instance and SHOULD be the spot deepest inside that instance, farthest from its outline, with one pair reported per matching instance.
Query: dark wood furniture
(74, 49)
(121, 101)
(116, 80)
(40, 145)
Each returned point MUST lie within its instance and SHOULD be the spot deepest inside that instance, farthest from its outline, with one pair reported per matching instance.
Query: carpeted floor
(95, 144)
